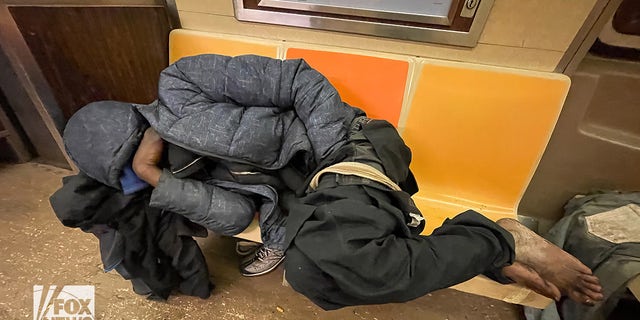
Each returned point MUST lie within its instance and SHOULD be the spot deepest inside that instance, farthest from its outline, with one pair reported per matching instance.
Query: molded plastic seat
(477, 135)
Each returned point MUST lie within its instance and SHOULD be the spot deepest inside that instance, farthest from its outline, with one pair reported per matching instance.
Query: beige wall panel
(504, 25)
(543, 24)
(221, 7)
(524, 58)
(596, 142)
(553, 25)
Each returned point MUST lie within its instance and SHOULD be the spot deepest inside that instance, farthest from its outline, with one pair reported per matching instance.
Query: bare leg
(545, 268)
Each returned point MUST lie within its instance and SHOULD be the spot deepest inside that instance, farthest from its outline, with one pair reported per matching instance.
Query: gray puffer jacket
(250, 109)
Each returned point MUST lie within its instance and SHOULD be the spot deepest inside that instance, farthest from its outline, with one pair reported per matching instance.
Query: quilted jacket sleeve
(193, 83)
(215, 208)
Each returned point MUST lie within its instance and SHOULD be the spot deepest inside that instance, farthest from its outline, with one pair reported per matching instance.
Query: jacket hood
(101, 138)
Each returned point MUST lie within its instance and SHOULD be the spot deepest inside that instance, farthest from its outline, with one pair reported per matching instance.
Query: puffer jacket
(102, 138)
(258, 111)
(274, 115)
(250, 109)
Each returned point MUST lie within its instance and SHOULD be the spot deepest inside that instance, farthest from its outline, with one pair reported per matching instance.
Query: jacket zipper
(230, 159)
(187, 166)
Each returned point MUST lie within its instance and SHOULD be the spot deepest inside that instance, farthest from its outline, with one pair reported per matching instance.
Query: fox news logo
(66, 303)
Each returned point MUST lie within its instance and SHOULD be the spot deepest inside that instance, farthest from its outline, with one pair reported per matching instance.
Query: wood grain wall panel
(35, 109)
(97, 53)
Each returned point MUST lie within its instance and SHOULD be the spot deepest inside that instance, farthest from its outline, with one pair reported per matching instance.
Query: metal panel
(172, 12)
(584, 39)
(381, 29)
(422, 11)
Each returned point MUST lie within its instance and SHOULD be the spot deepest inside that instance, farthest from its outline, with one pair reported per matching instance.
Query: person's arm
(211, 206)
(215, 208)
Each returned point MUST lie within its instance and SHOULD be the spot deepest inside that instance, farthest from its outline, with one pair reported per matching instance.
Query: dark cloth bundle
(156, 246)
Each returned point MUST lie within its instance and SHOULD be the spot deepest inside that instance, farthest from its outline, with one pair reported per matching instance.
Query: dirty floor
(35, 249)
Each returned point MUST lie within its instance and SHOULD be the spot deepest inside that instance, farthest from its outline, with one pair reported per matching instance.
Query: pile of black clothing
(152, 247)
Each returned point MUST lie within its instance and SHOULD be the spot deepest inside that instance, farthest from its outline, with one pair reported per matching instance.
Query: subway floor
(35, 249)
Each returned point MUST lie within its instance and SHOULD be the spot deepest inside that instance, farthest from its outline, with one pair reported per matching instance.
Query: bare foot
(552, 264)
(526, 276)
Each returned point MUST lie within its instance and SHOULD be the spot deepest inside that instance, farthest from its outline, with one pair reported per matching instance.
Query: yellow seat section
(184, 43)
(477, 135)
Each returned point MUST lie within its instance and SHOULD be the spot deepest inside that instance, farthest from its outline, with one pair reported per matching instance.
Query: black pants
(349, 242)
(370, 264)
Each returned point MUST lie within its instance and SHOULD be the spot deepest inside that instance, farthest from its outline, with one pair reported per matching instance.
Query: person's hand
(147, 157)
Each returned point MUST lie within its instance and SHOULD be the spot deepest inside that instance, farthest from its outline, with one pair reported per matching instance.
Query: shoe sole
(263, 272)
(247, 248)
(245, 253)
